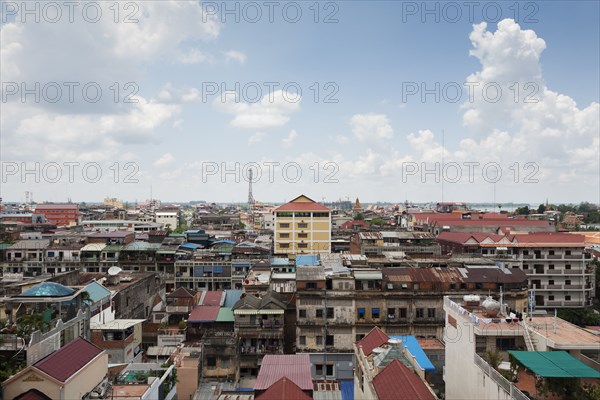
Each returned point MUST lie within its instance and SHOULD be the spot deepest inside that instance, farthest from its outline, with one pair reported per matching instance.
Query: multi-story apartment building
(59, 214)
(302, 226)
(557, 265)
(335, 311)
(474, 330)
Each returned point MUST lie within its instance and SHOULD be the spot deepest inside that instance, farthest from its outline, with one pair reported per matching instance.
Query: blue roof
(194, 231)
(307, 260)
(231, 242)
(96, 291)
(191, 246)
(347, 388)
(232, 296)
(48, 289)
(415, 349)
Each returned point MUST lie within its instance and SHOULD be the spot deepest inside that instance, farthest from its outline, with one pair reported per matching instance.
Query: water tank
(471, 298)
(491, 307)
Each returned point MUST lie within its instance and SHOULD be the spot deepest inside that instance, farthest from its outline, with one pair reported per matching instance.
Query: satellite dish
(113, 271)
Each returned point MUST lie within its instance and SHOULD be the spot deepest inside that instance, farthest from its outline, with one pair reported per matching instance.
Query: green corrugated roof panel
(113, 247)
(4, 246)
(554, 364)
(225, 315)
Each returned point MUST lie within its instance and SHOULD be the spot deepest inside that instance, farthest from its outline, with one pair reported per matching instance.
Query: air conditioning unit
(404, 286)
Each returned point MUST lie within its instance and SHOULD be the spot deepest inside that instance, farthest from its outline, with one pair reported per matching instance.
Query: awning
(254, 312)
(364, 275)
(554, 364)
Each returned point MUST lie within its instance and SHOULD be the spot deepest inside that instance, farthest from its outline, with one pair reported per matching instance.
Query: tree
(378, 221)
(359, 217)
(494, 358)
(541, 209)
(522, 210)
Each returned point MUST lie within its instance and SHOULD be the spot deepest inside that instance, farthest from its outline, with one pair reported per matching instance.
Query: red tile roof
(549, 237)
(212, 298)
(351, 224)
(65, 362)
(398, 382)
(462, 237)
(295, 367)
(181, 293)
(204, 314)
(374, 339)
(284, 389)
(302, 205)
(32, 394)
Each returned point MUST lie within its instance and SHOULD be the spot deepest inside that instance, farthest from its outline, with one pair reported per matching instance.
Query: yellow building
(302, 226)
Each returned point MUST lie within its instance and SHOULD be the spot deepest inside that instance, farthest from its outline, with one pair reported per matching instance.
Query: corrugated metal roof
(65, 362)
(312, 273)
(284, 389)
(232, 296)
(212, 298)
(225, 315)
(117, 324)
(295, 367)
(374, 338)
(396, 381)
(307, 260)
(204, 314)
(96, 291)
(413, 346)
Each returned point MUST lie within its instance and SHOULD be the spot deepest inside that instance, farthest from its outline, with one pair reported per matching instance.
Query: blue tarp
(306, 260)
(347, 388)
(415, 349)
(191, 246)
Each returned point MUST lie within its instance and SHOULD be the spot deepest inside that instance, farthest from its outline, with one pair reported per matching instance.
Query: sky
(380, 100)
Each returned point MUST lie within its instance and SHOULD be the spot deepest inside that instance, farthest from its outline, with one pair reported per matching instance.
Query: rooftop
(295, 367)
(397, 382)
(65, 362)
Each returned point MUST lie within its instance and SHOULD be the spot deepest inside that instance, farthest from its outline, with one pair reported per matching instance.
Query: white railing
(527, 336)
(501, 381)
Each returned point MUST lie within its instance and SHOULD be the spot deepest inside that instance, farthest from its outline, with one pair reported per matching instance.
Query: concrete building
(386, 370)
(59, 214)
(120, 338)
(557, 265)
(336, 310)
(474, 329)
(168, 219)
(69, 373)
(302, 226)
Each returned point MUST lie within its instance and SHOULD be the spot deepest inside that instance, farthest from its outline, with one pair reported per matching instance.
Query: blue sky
(371, 140)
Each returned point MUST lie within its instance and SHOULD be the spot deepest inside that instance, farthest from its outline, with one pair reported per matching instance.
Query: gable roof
(32, 394)
(397, 382)
(181, 293)
(204, 314)
(295, 367)
(302, 203)
(284, 389)
(66, 361)
(373, 339)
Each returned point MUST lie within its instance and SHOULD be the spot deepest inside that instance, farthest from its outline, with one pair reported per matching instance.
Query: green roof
(4, 246)
(225, 315)
(554, 364)
(48, 289)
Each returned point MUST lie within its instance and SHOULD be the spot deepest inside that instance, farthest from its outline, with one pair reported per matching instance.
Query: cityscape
(285, 200)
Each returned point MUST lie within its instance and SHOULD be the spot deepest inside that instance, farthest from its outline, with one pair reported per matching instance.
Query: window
(319, 369)
(360, 312)
(284, 245)
(420, 313)
(567, 252)
(284, 225)
(302, 340)
(302, 245)
(551, 252)
(567, 282)
(551, 266)
(284, 215)
(375, 313)
(284, 235)
(568, 266)
(551, 297)
(302, 215)
(329, 340)
(311, 285)
(319, 313)
(525, 252)
(320, 215)
(211, 361)
(301, 313)
(303, 235)
(551, 282)
(567, 297)
(319, 340)
(402, 312)
(431, 313)
(391, 313)
(329, 369)
(302, 225)
(330, 312)
(359, 337)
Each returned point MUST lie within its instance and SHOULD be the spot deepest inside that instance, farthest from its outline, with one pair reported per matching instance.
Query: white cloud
(164, 160)
(290, 139)
(371, 127)
(341, 139)
(273, 110)
(257, 138)
(169, 94)
(194, 56)
(234, 55)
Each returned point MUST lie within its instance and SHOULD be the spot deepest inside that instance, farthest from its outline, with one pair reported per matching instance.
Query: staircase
(529, 342)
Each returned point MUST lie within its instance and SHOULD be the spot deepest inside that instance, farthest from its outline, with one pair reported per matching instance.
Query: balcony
(178, 309)
(563, 303)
